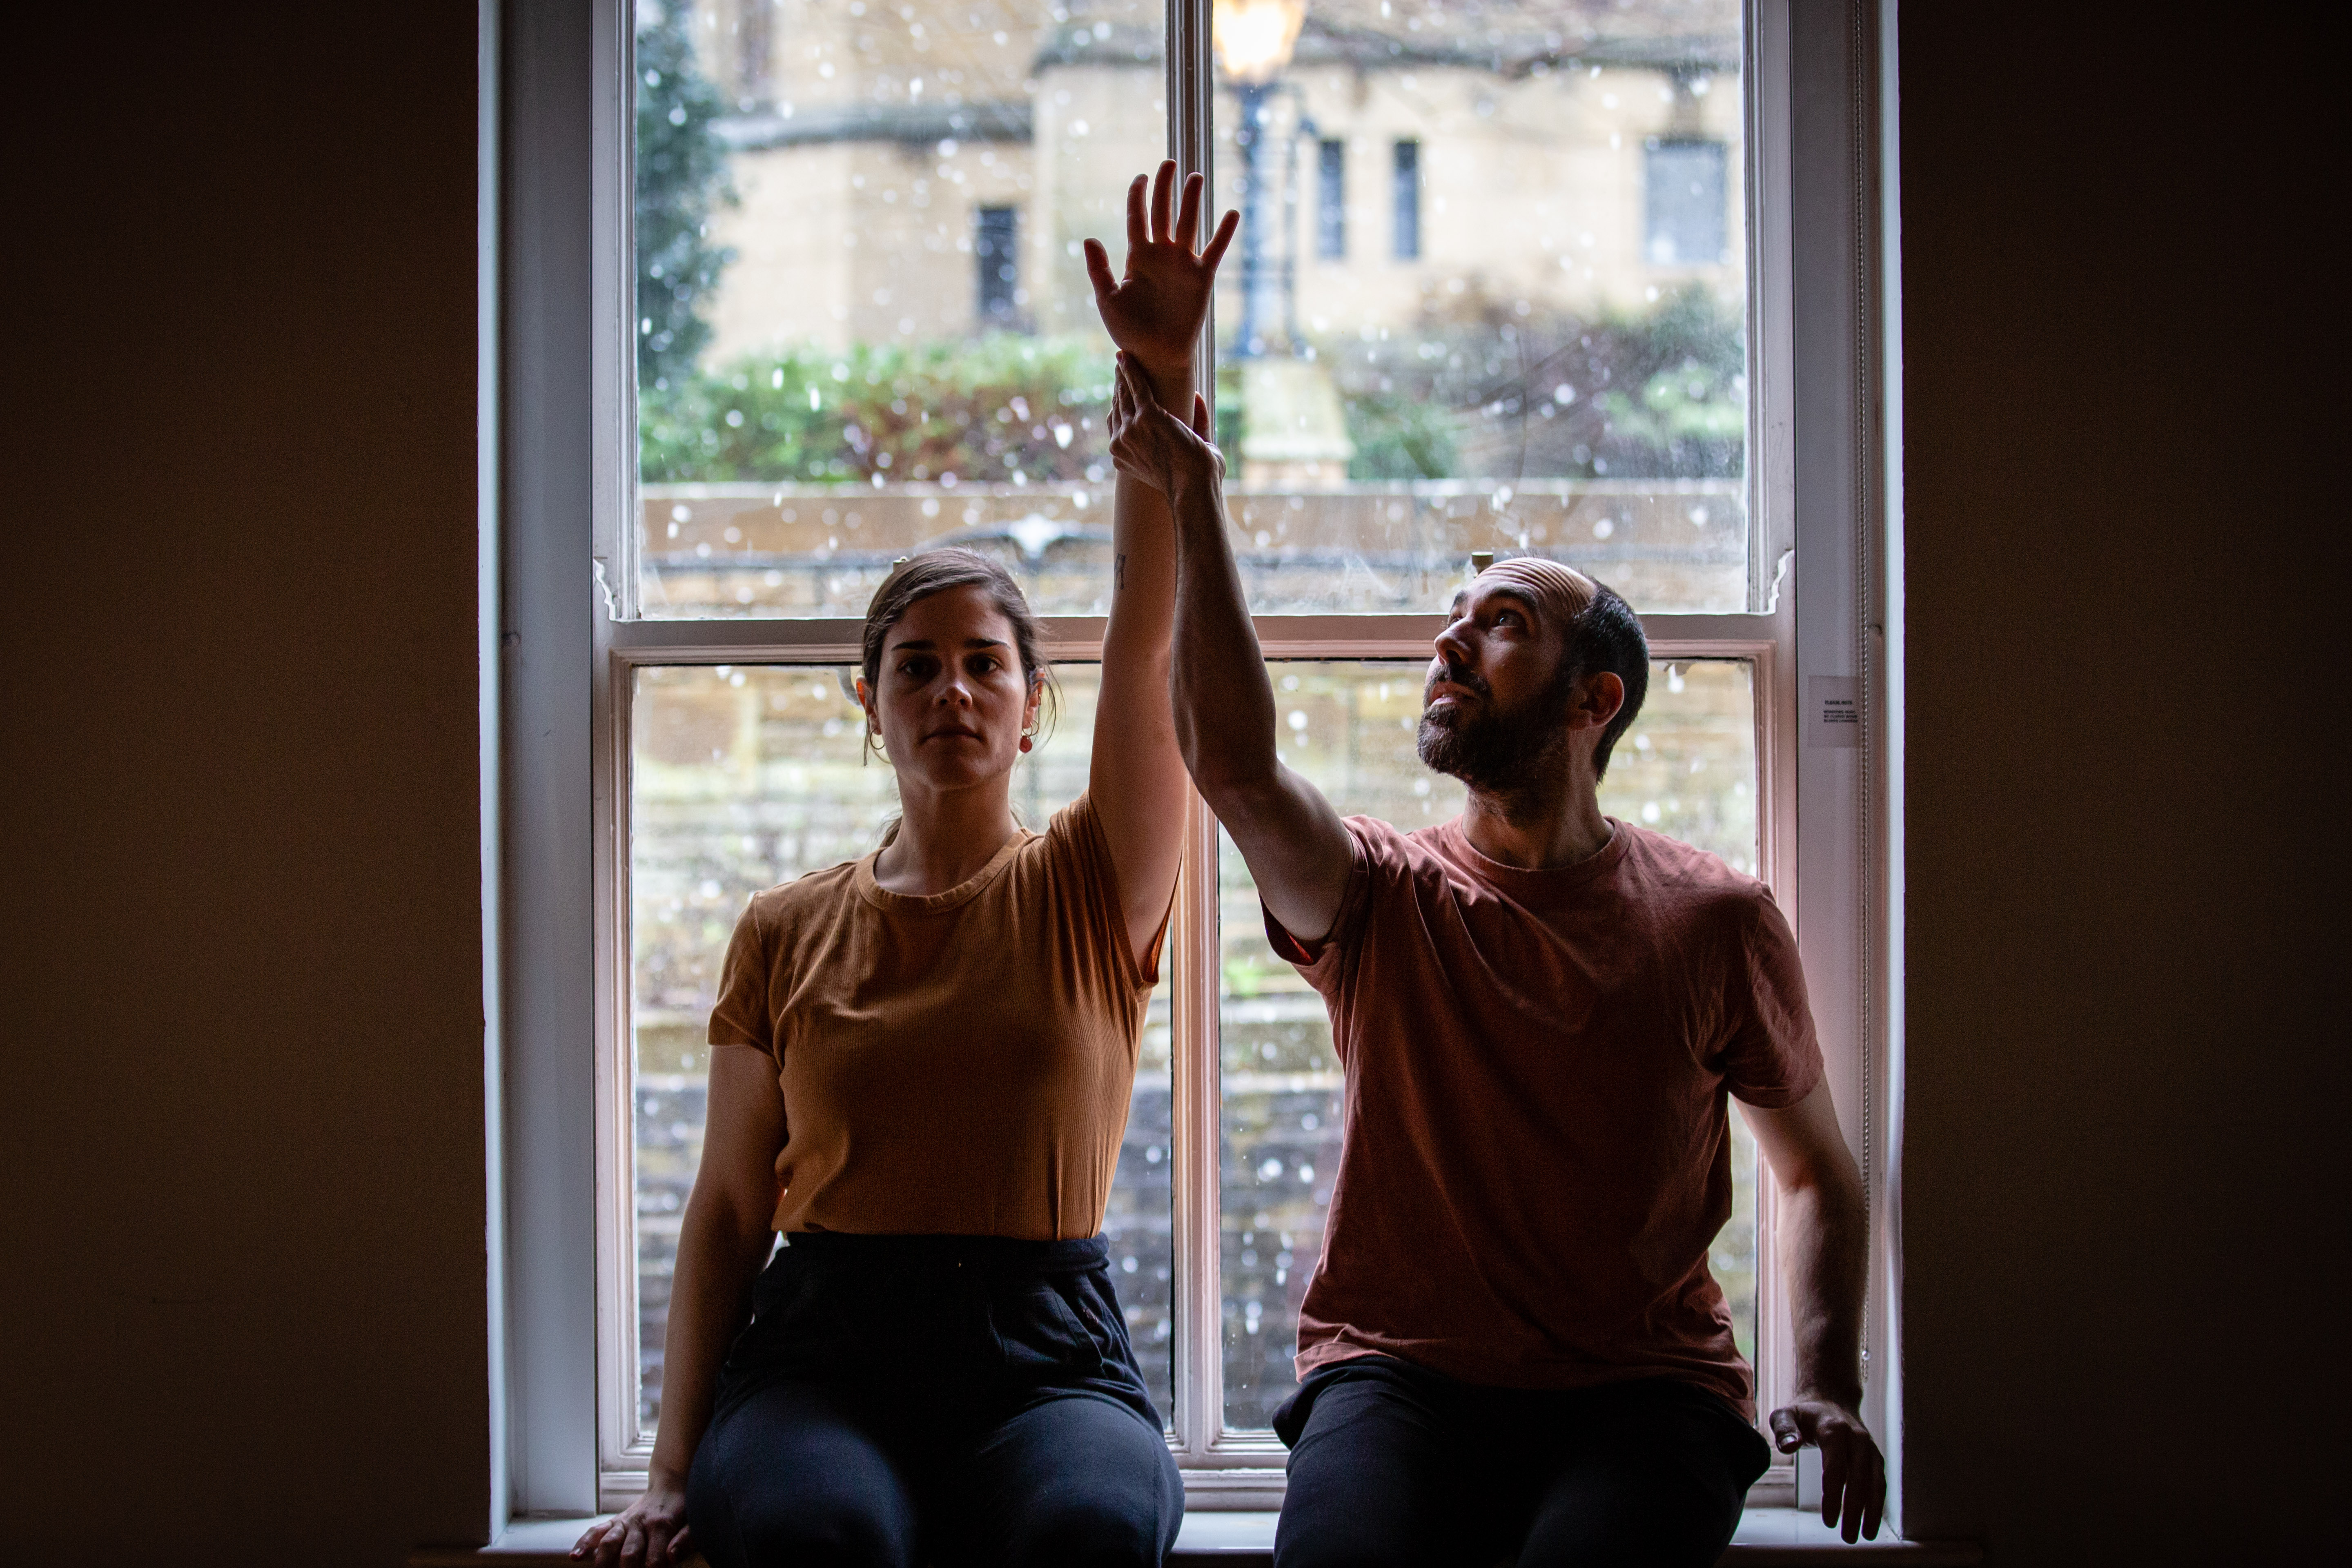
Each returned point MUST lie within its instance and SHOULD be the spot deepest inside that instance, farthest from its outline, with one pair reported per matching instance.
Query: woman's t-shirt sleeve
(1771, 1057)
(741, 1015)
(1081, 850)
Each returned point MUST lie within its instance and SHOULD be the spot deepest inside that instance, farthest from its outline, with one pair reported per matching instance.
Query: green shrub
(1483, 392)
(986, 410)
(1401, 438)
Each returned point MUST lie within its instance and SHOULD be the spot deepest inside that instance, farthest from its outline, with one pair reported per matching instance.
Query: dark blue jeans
(942, 1400)
(1392, 1463)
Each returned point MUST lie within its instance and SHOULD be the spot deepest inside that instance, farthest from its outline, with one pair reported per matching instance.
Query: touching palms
(1156, 311)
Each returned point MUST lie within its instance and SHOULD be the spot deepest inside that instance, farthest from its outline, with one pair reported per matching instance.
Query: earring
(1028, 738)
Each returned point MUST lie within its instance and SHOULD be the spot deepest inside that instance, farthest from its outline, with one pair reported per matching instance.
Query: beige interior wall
(2124, 1177)
(242, 1275)
(243, 1284)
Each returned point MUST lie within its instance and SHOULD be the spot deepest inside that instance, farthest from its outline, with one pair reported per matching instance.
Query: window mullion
(1199, 1373)
(1199, 1362)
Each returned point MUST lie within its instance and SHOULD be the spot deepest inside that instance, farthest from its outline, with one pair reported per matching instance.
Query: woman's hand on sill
(651, 1532)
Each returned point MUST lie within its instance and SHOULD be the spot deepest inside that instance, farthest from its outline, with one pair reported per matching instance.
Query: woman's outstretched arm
(725, 1237)
(1154, 314)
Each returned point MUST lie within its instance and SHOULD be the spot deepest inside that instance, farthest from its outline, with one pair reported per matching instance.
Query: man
(1512, 1344)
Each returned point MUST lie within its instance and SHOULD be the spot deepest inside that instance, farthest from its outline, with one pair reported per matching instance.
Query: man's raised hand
(1155, 312)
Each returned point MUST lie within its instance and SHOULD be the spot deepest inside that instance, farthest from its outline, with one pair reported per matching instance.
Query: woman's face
(952, 701)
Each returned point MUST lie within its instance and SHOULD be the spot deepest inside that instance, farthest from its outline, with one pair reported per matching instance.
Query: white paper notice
(1832, 710)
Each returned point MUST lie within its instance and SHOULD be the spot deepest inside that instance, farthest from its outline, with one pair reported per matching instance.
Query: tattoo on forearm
(1118, 574)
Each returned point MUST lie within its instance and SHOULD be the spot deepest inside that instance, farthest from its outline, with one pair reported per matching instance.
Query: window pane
(1688, 768)
(1405, 225)
(746, 777)
(1538, 341)
(862, 322)
(1331, 201)
(1684, 189)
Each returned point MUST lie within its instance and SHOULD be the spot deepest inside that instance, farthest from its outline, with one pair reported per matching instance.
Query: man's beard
(1520, 756)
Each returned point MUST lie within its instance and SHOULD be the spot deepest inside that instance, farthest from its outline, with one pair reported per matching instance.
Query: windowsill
(1765, 1537)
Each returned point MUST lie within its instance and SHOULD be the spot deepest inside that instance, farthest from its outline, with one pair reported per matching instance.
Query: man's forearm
(1825, 1248)
(1223, 703)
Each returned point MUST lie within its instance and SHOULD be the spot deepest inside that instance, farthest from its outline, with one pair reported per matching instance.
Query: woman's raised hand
(650, 1533)
(1156, 311)
(1151, 444)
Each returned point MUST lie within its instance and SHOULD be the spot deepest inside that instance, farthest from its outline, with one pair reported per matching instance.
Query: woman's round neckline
(963, 892)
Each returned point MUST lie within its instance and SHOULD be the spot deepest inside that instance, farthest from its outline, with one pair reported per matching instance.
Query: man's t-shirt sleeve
(1322, 963)
(1771, 1057)
(741, 1017)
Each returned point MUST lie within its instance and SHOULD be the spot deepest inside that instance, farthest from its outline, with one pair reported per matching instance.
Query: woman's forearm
(1135, 777)
(719, 1255)
(1143, 552)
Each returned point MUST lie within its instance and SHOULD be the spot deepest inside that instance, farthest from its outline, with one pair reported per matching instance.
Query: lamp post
(1254, 41)
(1293, 428)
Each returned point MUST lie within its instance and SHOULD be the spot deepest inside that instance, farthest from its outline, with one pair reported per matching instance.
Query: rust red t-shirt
(1537, 1150)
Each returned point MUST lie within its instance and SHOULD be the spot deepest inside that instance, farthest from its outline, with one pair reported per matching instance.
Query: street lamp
(1254, 40)
(1294, 429)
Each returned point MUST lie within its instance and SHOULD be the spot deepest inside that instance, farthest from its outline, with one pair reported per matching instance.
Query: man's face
(1494, 707)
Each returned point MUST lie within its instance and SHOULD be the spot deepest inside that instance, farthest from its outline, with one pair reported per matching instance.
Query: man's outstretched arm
(1824, 1234)
(1296, 846)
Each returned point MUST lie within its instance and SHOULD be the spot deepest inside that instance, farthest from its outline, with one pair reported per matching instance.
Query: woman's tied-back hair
(935, 571)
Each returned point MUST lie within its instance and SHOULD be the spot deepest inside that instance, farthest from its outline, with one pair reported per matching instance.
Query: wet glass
(864, 326)
(748, 776)
(1490, 292)
(1687, 768)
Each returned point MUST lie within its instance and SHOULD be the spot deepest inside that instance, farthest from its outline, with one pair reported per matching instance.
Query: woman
(919, 1073)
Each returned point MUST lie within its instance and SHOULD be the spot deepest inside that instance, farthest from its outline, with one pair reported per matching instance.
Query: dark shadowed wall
(2125, 1217)
(243, 1280)
(243, 1284)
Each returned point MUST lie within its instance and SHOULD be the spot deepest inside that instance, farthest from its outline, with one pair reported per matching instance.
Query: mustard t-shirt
(956, 1063)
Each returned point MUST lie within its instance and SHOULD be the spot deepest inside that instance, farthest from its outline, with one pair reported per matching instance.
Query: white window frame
(560, 365)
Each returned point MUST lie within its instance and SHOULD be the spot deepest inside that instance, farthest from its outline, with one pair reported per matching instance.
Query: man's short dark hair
(1608, 635)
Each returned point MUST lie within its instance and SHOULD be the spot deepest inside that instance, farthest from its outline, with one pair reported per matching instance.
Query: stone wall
(789, 551)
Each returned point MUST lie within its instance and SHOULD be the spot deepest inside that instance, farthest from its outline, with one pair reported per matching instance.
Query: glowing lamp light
(1255, 37)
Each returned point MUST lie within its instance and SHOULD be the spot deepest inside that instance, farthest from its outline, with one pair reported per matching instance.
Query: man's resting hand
(1854, 1472)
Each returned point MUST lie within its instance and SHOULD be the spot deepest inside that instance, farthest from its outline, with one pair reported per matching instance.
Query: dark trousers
(1392, 1463)
(939, 1400)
